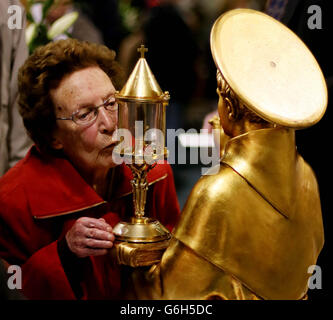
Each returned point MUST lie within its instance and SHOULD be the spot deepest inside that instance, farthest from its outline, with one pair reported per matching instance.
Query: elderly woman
(59, 204)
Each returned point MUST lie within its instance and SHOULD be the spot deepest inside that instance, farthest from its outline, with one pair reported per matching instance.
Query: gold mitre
(142, 85)
(269, 68)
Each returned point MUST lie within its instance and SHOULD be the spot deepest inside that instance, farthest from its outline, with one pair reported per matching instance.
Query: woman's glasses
(88, 115)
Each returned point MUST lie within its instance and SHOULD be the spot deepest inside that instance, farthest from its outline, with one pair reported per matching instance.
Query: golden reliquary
(141, 125)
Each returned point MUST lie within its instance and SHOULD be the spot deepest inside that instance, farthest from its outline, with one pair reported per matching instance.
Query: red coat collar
(53, 186)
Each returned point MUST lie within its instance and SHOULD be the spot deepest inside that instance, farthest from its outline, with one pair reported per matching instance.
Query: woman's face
(89, 147)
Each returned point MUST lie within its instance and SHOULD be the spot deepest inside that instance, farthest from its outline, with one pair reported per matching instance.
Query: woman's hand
(90, 237)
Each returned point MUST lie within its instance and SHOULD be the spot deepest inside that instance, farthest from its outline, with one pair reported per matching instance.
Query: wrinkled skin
(89, 148)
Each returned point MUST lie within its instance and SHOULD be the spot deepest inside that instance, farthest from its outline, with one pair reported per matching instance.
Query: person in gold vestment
(252, 230)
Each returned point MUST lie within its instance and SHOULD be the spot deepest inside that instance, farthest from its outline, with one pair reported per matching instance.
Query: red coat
(41, 198)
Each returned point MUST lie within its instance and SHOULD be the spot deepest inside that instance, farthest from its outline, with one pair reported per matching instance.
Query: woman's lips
(110, 145)
(109, 148)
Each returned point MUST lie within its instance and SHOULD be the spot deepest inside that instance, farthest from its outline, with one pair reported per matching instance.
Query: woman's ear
(56, 142)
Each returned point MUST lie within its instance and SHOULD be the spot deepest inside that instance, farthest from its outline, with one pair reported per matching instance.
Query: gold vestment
(250, 231)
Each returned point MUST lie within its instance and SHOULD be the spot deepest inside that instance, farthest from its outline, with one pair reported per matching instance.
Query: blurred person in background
(105, 14)
(14, 142)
